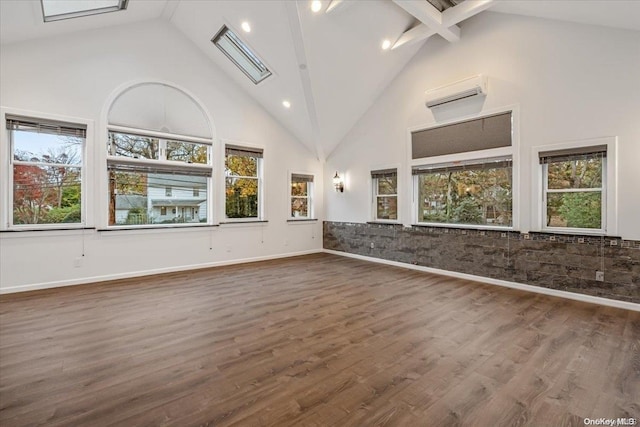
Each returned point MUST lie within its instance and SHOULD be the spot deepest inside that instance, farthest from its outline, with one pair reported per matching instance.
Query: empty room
(319, 213)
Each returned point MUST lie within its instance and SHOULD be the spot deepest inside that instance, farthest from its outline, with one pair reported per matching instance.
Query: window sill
(44, 232)
(572, 232)
(244, 223)
(464, 226)
(383, 222)
(31, 230)
(301, 220)
(155, 227)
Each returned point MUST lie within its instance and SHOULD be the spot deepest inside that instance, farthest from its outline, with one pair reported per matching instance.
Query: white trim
(490, 281)
(159, 135)
(94, 279)
(609, 187)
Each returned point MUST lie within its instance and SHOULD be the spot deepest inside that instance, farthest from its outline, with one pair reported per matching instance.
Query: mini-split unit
(471, 87)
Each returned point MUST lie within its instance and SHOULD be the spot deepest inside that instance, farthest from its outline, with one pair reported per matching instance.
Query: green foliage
(582, 210)
(468, 211)
(473, 196)
(67, 214)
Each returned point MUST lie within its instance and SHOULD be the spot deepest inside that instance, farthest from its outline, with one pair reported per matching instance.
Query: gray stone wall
(564, 262)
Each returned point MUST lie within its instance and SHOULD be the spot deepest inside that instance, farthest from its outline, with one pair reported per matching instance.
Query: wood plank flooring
(317, 340)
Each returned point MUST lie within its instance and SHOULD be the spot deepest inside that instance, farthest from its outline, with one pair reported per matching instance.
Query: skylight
(55, 10)
(240, 54)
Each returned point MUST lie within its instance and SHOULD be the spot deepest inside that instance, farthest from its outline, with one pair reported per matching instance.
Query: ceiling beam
(464, 10)
(431, 17)
(295, 27)
(333, 5)
(413, 35)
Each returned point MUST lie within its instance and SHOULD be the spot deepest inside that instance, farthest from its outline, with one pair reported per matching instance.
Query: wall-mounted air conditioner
(462, 89)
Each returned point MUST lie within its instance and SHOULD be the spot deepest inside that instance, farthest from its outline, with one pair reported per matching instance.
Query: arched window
(159, 158)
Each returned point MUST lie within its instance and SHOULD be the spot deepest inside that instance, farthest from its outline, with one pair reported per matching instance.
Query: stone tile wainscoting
(555, 261)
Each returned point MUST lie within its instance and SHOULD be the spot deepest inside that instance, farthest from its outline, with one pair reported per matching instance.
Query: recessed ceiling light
(316, 5)
(286, 104)
(386, 44)
(246, 27)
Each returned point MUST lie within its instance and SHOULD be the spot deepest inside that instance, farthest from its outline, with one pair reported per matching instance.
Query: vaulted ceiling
(328, 64)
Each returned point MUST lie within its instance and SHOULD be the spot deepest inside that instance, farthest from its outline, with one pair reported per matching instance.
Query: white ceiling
(343, 67)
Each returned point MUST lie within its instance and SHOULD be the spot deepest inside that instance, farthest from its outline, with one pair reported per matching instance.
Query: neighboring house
(174, 199)
(127, 202)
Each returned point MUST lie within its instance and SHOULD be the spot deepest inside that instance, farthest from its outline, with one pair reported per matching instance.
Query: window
(463, 172)
(47, 168)
(243, 182)
(55, 10)
(148, 173)
(196, 192)
(574, 182)
(385, 192)
(240, 54)
(477, 192)
(301, 191)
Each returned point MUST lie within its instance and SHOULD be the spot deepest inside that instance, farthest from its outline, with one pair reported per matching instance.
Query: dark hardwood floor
(318, 340)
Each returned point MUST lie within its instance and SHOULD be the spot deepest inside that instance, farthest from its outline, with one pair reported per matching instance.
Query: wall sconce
(337, 183)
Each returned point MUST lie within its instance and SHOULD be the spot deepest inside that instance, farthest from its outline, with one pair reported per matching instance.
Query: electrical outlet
(600, 276)
(373, 245)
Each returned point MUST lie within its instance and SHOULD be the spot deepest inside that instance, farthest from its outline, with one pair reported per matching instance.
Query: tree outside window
(301, 189)
(476, 193)
(242, 182)
(47, 171)
(574, 190)
(385, 190)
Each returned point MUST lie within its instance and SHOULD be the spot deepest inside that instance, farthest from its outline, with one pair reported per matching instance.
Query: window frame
(6, 178)
(609, 223)
(310, 197)
(161, 161)
(122, 5)
(260, 166)
(374, 196)
(513, 151)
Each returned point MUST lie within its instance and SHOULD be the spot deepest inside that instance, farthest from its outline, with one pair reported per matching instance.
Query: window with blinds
(153, 178)
(47, 162)
(301, 196)
(243, 182)
(574, 187)
(475, 186)
(385, 194)
(472, 135)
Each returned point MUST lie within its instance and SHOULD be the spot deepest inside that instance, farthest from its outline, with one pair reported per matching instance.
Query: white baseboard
(128, 275)
(514, 285)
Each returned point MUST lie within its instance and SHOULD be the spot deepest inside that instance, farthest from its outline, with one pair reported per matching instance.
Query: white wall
(73, 76)
(570, 81)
